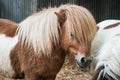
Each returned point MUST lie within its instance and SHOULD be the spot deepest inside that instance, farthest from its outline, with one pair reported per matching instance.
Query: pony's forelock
(40, 31)
(81, 23)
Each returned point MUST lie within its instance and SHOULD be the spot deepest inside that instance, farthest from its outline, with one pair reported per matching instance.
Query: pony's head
(77, 32)
(68, 27)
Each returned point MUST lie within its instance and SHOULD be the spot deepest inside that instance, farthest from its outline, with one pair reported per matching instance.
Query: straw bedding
(68, 72)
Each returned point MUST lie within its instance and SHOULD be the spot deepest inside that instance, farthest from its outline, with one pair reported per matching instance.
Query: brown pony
(37, 51)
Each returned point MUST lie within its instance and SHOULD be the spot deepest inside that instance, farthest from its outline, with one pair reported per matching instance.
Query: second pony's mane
(40, 30)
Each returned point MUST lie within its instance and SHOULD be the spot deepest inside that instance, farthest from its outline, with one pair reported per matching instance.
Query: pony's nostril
(83, 60)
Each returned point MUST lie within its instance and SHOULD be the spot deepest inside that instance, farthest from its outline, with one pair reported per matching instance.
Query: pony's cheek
(72, 50)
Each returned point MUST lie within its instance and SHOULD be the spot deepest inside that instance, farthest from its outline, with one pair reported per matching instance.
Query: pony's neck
(40, 31)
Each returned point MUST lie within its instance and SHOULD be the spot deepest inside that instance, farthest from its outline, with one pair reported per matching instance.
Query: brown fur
(15, 63)
(36, 67)
(62, 16)
(112, 25)
(26, 63)
(4, 29)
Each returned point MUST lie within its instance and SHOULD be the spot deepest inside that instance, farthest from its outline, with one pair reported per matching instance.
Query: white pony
(105, 50)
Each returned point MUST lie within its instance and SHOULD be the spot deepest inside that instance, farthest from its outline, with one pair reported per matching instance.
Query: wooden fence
(17, 10)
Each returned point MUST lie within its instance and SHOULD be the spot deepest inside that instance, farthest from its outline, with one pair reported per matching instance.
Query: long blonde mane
(39, 31)
(82, 23)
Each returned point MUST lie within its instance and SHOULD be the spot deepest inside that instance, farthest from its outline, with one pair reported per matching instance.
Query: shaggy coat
(106, 51)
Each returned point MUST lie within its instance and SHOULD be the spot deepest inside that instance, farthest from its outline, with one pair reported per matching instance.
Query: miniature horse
(37, 51)
(105, 50)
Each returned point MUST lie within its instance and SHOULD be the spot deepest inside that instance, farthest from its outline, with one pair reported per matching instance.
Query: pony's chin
(84, 68)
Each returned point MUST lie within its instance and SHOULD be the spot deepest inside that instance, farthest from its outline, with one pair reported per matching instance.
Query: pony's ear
(61, 16)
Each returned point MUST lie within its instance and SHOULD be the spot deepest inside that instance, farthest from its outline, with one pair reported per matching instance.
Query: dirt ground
(68, 72)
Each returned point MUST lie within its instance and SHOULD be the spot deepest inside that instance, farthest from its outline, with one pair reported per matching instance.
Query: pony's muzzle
(83, 62)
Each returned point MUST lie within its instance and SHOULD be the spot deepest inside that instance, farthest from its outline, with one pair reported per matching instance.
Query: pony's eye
(72, 36)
